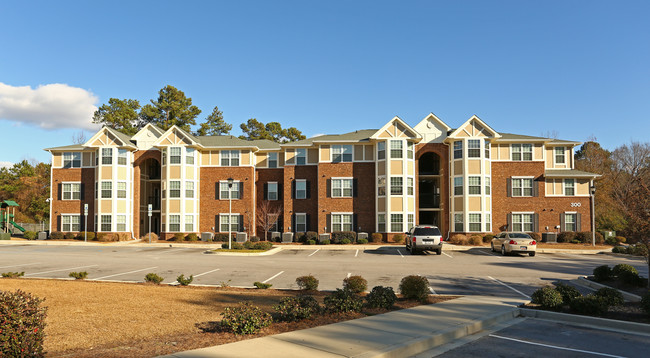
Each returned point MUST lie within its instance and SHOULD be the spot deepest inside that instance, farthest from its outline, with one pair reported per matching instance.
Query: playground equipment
(7, 219)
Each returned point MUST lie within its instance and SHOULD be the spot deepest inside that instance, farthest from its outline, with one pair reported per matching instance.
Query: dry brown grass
(93, 319)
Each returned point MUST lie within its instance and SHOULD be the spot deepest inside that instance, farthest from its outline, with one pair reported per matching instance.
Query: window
(164, 156)
(396, 186)
(175, 189)
(458, 149)
(121, 190)
(411, 221)
(381, 186)
(301, 189)
(396, 224)
(301, 156)
(96, 190)
(475, 222)
(301, 222)
(559, 155)
(488, 223)
(71, 191)
(189, 156)
(341, 188)
(189, 223)
(474, 148)
(233, 222)
(458, 222)
(341, 153)
(569, 187)
(225, 190)
(72, 160)
(121, 156)
(175, 155)
(273, 160)
(107, 156)
(381, 222)
(396, 149)
(487, 149)
(487, 186)
(107, 188)
(381, 150)
(458, 186)
(522, 222)
(120, 223)
(106, 223)
(474, 185)
(522, 152)
(342, 222)
(272, 191)
(174, 223)
(229, 158)
(189, 189)
(409, 186)
(409, 150)
(70, 223)
(522, 186)
(570, 222)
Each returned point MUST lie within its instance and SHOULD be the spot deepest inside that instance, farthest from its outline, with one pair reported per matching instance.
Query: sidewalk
(395, 334)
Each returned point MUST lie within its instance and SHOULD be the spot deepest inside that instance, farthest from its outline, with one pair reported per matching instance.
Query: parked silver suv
(424, 237)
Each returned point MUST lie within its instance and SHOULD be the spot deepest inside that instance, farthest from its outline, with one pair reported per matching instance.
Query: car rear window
(519, 236)
(426, 231)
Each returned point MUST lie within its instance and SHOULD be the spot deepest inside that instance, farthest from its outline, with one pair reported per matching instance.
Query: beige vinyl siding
(396, 204)
(325, 153)
(312, 155)
(473, 166)
(474, 203)
(396, 167)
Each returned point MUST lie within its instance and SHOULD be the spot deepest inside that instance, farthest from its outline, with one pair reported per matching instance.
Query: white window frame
(410, 221)
(342, 153)
(301, 222)
(458, 149)
(71, 191)
(522, 187)
(230, 191)
(458, 183)
(396, 146)
(189, 156)
(301, 156)
(410, 186)
(556, 154)
(381, 222)
(189, 223)
(520, 221)
(396, 189)
(269, 191)
(120, 223)
(395, 220)
(486, 147)
(410, 150)
(488, 222)
(340, 186)
(107, 187)
(71, 162)
(107, 156)
(303, 191)
(474, 185)
(381, 150)
(523, 150)
(488, 186)
(458, 220)
(574, 216)
(233, 222)
(381, 185)
(229, 158)
(175, 158)
(189, 189)
(272, 158)
(471, 219)
(121, 189)
(106, 222)
(473, 147)
(572, 186)
(175, 189)
(68, 224)
(122, 157)
(340, 221)
(174, 223)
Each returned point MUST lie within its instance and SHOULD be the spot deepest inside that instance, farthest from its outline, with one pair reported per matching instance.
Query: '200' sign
(576, 205)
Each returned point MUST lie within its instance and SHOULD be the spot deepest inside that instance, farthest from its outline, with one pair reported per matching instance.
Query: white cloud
(51, 106)
(6, 164)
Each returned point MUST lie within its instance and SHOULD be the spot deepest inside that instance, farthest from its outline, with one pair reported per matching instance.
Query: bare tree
(79, 137)
(267, 216)
(553, 134)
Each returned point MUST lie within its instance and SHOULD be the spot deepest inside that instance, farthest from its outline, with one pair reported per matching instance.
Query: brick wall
(87, 177)
(264, 176)
(308, 206)
(443, 152)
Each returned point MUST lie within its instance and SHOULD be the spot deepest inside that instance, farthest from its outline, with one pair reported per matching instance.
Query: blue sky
(580, 68)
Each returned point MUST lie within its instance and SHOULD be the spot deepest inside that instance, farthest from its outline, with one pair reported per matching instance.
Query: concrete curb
(591, 322)
(630, 297)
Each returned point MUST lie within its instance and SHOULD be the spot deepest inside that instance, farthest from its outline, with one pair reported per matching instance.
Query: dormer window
(560, 157)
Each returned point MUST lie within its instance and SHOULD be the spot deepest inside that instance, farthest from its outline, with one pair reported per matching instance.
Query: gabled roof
(230, 141)
(124, 139)
(413, 133)
(175, 129)
(475, 118)
(433, 118)
(72, 147)
(359, 136)
(151, 127)
(569, 173)
(509, 137)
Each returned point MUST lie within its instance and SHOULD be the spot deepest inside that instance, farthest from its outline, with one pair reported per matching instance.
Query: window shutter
(280, 223)
(355, 193)
(59, 224)
(329, 188)
(241, 190)
(293, 222)
(509, 187)
(293, 189)
(60, 190)
(266, 191)
(354, 222)
(578, 222)
(535, 188)
(217, 228)
(509, 228)
(562, 223)
(308, 186)
(536, 222)
(280, 197)
(241, 223)
(329, 223)
(217, 191)
(307, 226)
(82, 195)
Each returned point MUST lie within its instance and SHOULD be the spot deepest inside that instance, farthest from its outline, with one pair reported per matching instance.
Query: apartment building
(469, 179)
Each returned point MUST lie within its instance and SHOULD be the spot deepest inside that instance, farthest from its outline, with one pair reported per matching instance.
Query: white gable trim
(414, 133)
(494, 134)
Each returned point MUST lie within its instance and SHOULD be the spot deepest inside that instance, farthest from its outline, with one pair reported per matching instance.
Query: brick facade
(86, 176)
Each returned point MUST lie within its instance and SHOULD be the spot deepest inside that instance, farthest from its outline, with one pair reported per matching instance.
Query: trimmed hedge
(339, 236)
(23, 322)
(611, 296)
(414, 287)
(292, 309)
(602, 273)
(244, 319)
(56, 235)
(381, 297)
(376, 237)
(547, 297)
(308, 282)
(343, 300)
(589, 305)
(568, 293)
(356, 284)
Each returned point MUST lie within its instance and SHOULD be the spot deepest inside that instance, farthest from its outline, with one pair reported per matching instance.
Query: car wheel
(492, 246)
(412, 250)
(439, 252)
(503, 250)
(531, 254)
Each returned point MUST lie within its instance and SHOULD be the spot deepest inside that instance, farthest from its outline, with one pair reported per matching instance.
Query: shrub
(145, 237)
(589, 305)
(338, 236)
(262, 245)
(619, 239)
(184, 281)
(602, 273)
(153, 278)
(381, 297)
(255, 239)
(377, 237)
(90, 236)
(488, 238)
(610, 241)
(566, 236)
(362, 241)
(30, 235)
(310, 242)
(476, 240)
(78, 275)
(311, 235)
(627, 274)
(248, 245)
(600, 239)
(69, 236)
(221, 237)
(547, 297)
(13, 274)
(178, 236)
(324, 242)
(308, 282)
(56, 235)
(192, 237)
(244, 319)
(343, 300)
(536, 236)
(414, 287)
(23, 321)
(645, 303)
(576, 241)
(292, 309)
(106, 237)
(355, 284)
(584, 237)
(345, 242)
(262, 285)
(458, 239)
(611, 296)
(299, 237)
(639, 249)
(567, 292)
(233, 246)
(398, 238)
(619, 250)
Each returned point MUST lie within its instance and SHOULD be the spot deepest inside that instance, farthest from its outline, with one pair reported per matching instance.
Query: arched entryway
(429, 182)
(150, 194)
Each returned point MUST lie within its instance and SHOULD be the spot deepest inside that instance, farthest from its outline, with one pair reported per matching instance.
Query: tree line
(28, 184)
(173, 107)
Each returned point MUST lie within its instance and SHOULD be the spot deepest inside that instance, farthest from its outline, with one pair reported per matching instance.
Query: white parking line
(356, 253)
(272, 277)
(491, 254)
(400, 253)
(65, 269)
(556, 347)
(446, 254)
(124, 273)
(432, 291)
(35, 263)
(313, 252)
(205, 273)
(168, 251)
(512, 288)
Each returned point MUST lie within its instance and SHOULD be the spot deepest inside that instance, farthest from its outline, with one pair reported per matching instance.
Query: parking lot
(474, 271)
